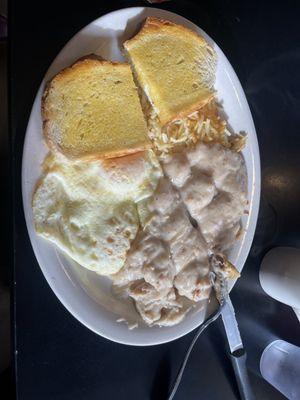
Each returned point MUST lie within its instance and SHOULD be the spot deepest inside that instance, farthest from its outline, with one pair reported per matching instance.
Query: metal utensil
(237, 352)
(205, 324)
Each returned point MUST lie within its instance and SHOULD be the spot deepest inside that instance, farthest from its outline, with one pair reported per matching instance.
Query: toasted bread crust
(190, 110)
(157, 25)
(153, 24)
(108, 155)
(82, 65)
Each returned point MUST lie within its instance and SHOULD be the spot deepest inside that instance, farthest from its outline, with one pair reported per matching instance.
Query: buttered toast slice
(174, 66)
(92, 110)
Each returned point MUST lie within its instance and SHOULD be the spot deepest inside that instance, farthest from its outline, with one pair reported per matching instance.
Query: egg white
(88, 209)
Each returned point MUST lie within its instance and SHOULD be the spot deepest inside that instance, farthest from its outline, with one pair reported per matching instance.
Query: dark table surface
(56, 357)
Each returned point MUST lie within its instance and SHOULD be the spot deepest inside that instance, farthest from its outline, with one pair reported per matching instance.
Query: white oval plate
(86, 295)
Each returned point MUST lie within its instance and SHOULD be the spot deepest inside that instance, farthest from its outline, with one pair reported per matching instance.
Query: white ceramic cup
(280, 276)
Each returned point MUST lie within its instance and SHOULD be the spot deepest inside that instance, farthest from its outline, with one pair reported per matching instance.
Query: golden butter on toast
(92, 110)
(174, 66)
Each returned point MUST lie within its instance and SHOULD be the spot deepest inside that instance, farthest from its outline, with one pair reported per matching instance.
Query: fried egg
(88, 209)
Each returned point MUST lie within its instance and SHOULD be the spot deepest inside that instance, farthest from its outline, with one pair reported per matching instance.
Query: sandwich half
(174, 66)
(92, 110)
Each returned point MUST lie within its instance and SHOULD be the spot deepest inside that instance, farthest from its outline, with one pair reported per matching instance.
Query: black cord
(211, 319)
